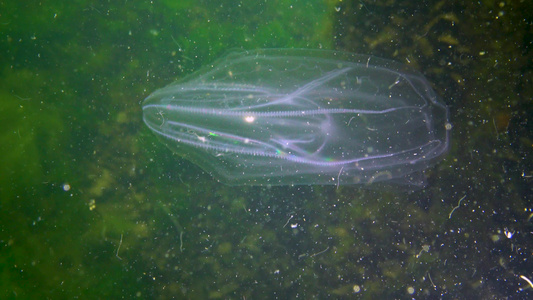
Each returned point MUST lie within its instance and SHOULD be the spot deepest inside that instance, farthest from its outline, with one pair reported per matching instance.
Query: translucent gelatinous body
(295, 116)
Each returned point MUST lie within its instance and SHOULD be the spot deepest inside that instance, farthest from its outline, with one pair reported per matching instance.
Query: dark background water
(93, 206)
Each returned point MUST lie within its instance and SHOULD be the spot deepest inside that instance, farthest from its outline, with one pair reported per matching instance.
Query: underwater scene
(284, 149)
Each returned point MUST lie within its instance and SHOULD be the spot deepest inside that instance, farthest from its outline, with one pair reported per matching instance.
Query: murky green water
(93, 206)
